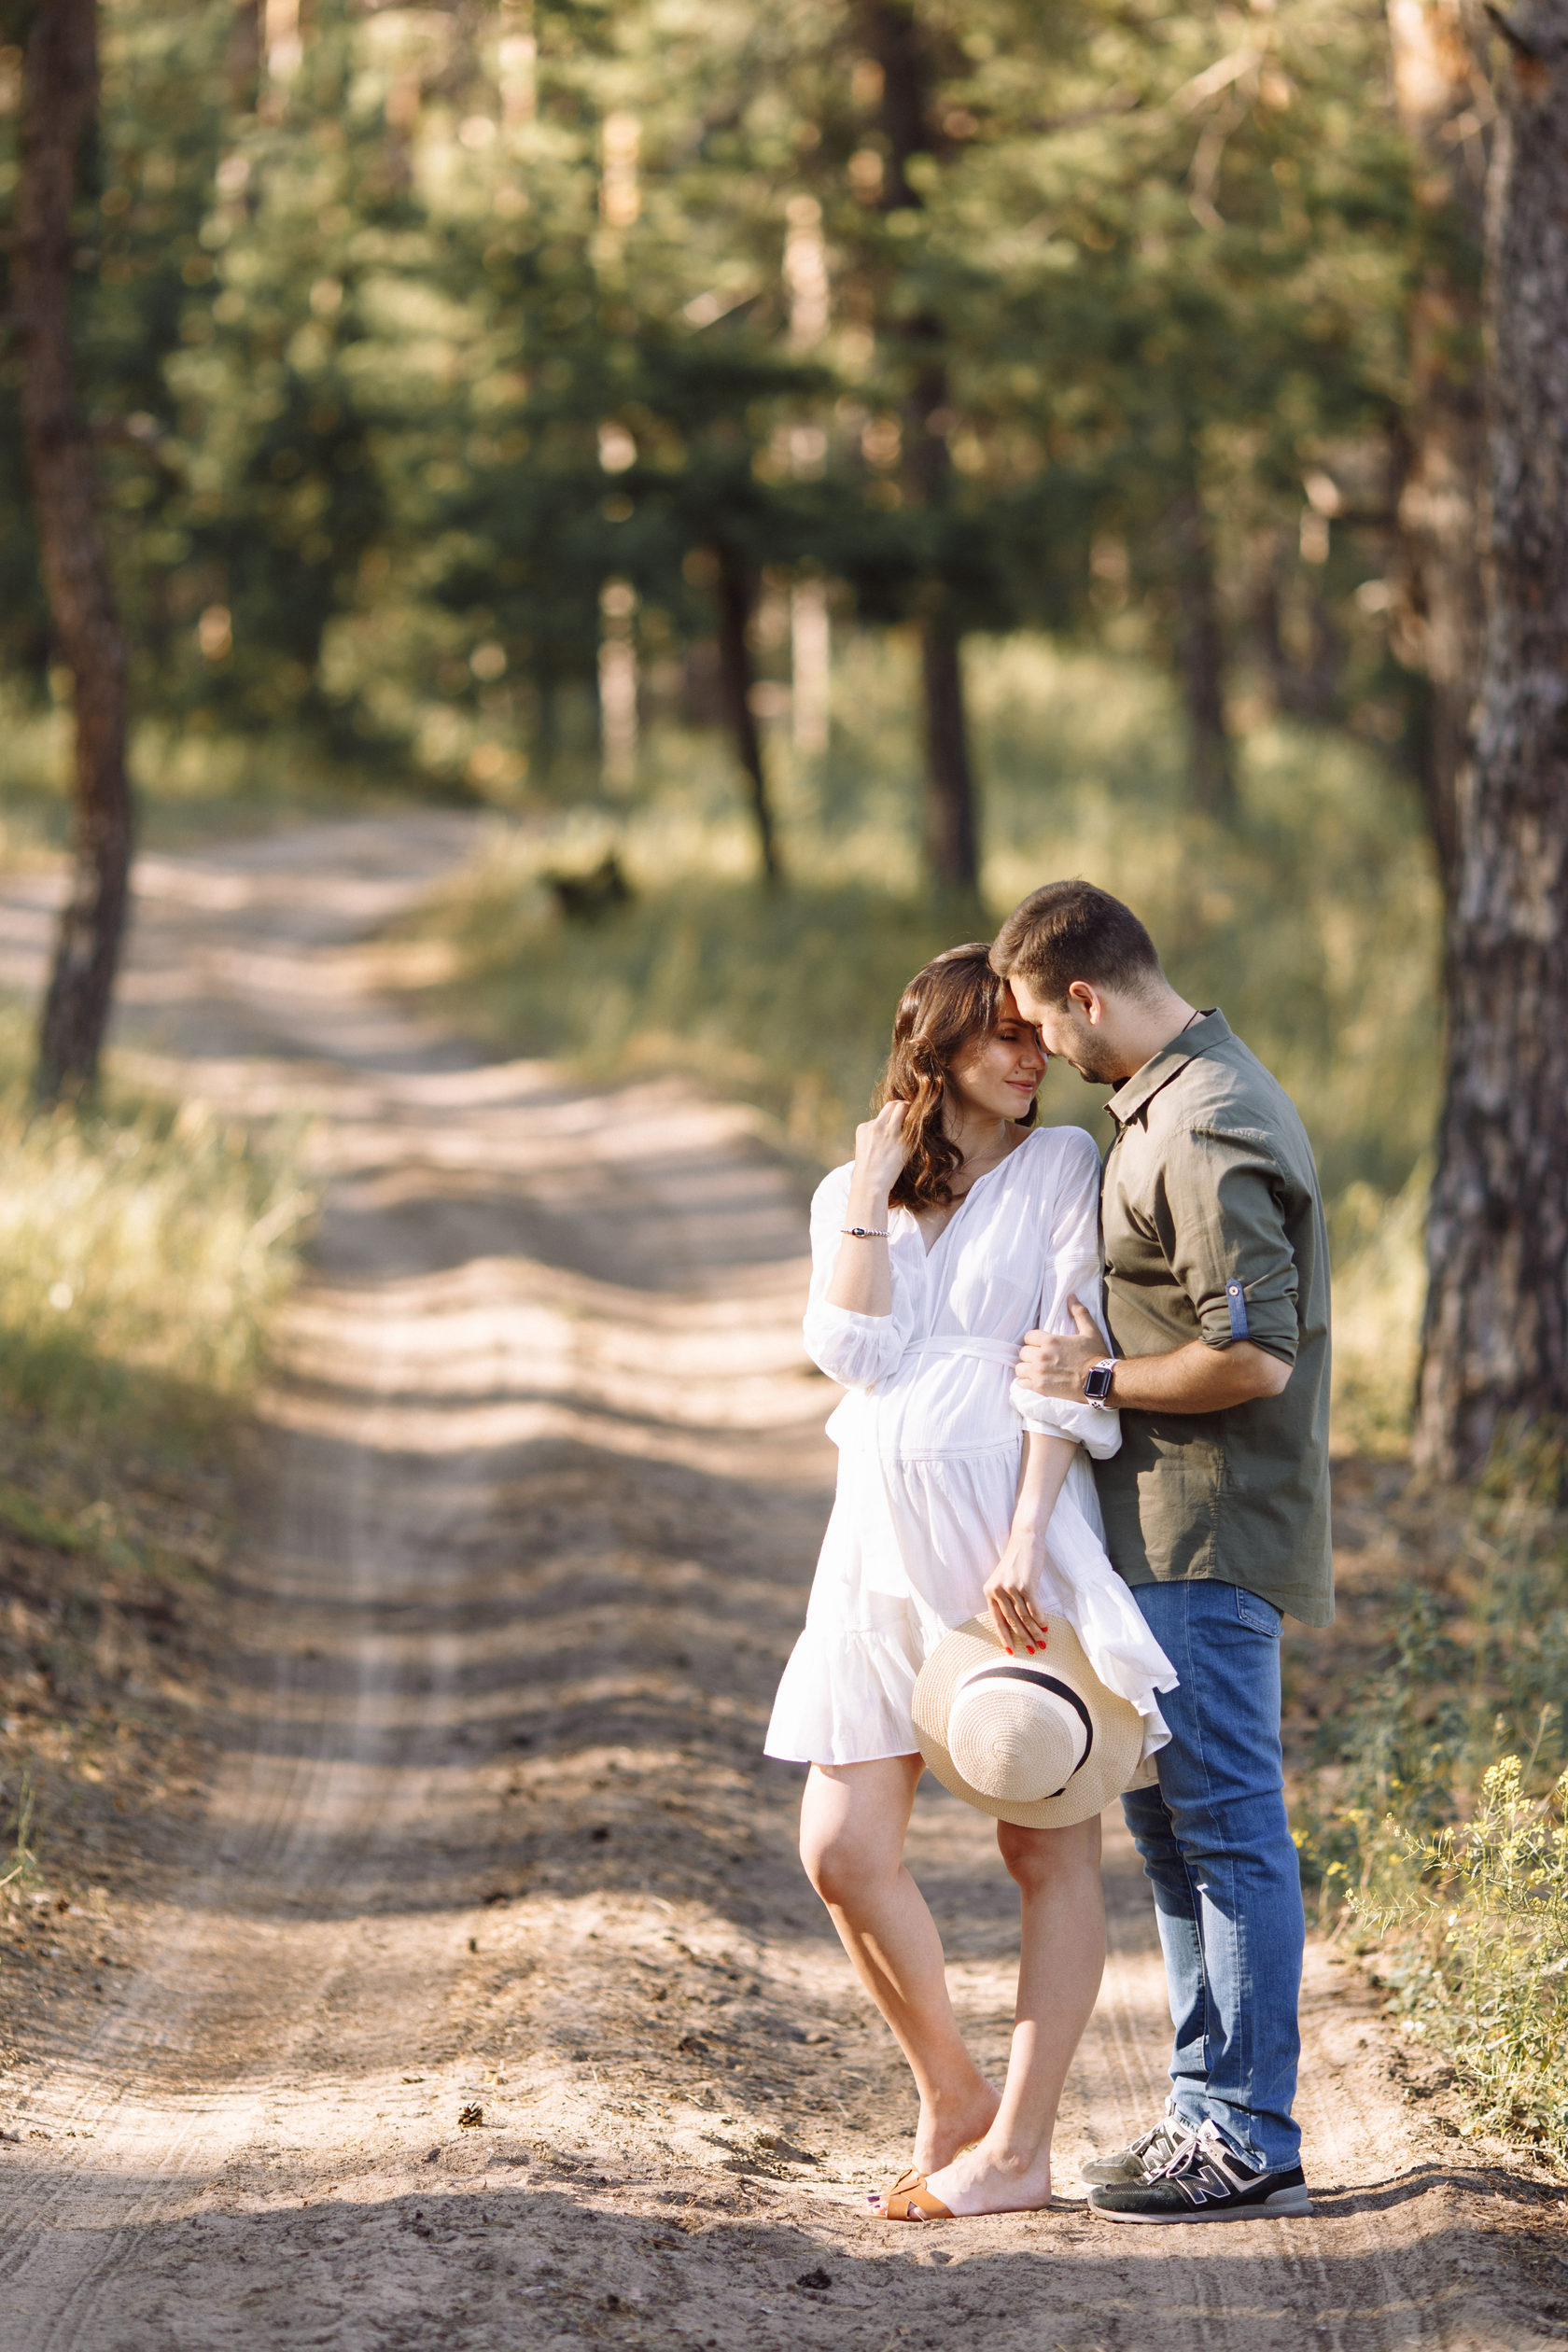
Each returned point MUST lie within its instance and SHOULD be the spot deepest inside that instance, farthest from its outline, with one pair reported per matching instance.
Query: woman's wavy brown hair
(954, 1000)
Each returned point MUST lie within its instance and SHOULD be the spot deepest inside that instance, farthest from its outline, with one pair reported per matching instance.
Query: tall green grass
(1433, 1828)
(1312, 919)
(1473, 1922)
(193, 782)
(143, 1247)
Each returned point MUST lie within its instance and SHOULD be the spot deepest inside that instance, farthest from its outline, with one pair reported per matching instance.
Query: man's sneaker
(1149, 2151)
(1204, 2181)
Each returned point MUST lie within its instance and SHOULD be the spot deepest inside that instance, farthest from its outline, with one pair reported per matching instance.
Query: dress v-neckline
(962, 1203)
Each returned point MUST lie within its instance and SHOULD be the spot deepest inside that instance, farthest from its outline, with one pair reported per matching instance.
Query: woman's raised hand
(881, 1149)
(861, 1282)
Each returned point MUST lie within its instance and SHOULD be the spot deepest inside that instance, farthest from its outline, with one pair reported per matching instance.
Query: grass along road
(541, 1476)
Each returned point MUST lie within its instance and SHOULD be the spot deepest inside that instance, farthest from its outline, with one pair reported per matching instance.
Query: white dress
(930, 1438)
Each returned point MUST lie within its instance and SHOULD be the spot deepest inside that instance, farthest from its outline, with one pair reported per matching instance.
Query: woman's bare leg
(1060, 1964)
(853, 1820)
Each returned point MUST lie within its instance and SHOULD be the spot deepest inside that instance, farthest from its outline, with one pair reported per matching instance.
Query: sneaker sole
(1285, 2205)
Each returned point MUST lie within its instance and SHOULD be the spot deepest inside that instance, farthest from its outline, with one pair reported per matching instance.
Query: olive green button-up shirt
(1213, 1231)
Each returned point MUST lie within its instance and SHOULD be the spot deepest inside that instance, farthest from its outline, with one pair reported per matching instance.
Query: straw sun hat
(1035, 1741)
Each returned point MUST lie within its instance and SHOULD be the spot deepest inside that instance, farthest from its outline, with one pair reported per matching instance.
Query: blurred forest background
(839, 467)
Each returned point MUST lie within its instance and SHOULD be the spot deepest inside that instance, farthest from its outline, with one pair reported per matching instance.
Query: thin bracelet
(865, 1233)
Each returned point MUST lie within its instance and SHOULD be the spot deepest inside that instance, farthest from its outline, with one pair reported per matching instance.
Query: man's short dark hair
(1070, 931)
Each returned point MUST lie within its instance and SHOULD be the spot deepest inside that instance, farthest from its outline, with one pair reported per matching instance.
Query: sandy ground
(488, 1832)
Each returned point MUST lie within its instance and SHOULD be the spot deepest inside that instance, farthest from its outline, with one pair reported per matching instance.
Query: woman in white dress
(958, 1227)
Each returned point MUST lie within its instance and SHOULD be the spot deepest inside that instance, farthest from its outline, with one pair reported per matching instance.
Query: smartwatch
(1097, 1383)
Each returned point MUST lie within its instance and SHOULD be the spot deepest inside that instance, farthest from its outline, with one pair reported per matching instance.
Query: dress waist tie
(1003, 1351)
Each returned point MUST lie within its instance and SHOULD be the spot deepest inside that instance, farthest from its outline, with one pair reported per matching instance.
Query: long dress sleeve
(857, 1351)
(1073, 1271)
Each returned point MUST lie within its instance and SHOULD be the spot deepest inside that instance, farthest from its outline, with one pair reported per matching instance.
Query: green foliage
(1379, 1242)
(1473, 1671)
(1476, 1916)
(1283, 918)
(1434, 1822)
(193, 784)
(404, 348)
(140, 1252)
(774, 997)
(1312, 919)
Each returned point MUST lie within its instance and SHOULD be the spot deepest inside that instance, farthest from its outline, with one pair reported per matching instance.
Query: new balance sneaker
(1204, 2181)
(1148, 2153)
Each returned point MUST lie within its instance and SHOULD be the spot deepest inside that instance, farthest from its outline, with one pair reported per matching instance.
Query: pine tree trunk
(1436, 84)
(894, 37)
(1495, 1348)
(242, 64)
(737, 599)
(60, 91)
(1306, 688)
(950, 841)
(547, 723)
(1201, 659)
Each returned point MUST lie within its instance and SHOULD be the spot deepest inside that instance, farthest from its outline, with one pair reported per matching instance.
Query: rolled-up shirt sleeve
(1223, 1215)
(1072, 1272)
(855, 1351)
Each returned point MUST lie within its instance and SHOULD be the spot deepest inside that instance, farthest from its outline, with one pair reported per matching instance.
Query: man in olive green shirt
(1216, 1513)
(1213, 1232)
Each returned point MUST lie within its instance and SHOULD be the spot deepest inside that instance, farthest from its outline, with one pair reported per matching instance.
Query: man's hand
(1196, 1379)
(1055, 1367)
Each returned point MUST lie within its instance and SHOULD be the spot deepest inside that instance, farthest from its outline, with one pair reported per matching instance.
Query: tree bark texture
(1495, 1352)
(1445, 108)
(60, 92)
(737, 599)
(893, 36)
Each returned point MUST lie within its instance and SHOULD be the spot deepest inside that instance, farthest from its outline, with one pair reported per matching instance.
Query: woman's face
(998, 1073)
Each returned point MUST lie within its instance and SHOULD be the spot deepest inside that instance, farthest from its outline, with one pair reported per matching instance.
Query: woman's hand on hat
(881, 1148)
(1008, 1589)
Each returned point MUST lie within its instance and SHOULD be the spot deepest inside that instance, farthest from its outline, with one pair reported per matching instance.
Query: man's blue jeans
(1217, 1850)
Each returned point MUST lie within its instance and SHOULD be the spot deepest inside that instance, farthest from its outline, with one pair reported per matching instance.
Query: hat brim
(1115, 1755)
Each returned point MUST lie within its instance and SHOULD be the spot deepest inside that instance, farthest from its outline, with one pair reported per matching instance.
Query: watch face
(1097, 1382)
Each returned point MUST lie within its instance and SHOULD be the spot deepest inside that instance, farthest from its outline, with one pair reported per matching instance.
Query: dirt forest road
(544, 1476)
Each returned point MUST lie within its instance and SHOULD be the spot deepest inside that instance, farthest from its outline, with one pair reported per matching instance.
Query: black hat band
(1062, 1690)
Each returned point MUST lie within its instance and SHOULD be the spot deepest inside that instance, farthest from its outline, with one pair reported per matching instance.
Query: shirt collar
(1200, 1037)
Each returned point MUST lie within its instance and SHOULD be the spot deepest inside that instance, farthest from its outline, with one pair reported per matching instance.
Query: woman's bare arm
(1010, 1586)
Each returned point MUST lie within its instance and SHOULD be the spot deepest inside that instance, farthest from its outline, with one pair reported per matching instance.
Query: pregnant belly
(952, 1405)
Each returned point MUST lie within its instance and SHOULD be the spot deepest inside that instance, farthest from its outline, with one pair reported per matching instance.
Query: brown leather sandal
(915, 2205)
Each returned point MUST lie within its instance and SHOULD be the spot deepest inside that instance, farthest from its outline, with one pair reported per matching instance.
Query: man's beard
(1097, 1067)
